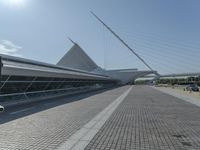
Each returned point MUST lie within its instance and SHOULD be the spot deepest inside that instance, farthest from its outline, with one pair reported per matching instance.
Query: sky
(165, 33)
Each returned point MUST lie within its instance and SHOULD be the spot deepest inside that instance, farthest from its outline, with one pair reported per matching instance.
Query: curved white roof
(24, 67)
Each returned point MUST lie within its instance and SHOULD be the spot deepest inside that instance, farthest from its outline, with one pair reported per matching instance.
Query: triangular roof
(78, 59)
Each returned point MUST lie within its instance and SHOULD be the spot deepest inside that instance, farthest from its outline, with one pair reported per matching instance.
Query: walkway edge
(80, 139)
(180, 96)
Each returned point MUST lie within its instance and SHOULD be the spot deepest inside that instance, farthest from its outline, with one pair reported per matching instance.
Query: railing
(17, 97)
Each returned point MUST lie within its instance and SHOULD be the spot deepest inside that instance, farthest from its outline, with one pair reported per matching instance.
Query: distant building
(77, 58)
(22, 78)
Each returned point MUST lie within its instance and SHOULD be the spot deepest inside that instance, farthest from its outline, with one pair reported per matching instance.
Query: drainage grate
(179, 136)
(186, 143)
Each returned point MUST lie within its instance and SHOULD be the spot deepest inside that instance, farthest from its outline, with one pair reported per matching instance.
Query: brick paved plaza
(146, 119)
(150, 120)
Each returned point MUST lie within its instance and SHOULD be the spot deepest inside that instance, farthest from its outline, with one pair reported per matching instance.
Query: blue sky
(164, 32)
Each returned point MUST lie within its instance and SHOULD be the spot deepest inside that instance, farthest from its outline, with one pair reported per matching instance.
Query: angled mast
(121, 40)
(71, 40)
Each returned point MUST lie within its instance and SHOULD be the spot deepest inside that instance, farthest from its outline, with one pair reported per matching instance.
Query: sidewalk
(150, 120)
(193, 98)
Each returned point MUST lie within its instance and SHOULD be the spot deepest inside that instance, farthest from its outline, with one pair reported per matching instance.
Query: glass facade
(24, 87)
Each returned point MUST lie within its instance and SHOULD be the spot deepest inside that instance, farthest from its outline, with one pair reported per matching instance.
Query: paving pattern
(150, 120)
(47, 129)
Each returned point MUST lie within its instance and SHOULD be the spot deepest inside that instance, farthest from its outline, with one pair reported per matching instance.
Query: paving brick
(150, 120)
(47, 129)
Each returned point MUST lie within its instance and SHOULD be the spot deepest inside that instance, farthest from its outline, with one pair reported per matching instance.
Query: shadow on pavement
(40, 105)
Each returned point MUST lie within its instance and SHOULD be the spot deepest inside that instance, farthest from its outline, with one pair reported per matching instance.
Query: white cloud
(9, 48)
